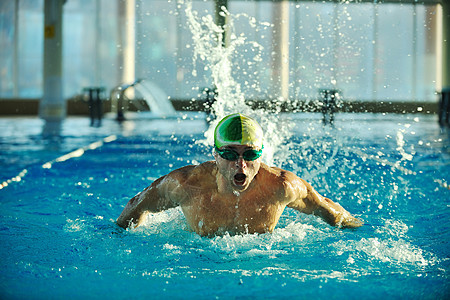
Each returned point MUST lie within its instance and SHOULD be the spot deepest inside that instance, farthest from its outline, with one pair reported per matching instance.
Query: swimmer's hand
(348, 221)
(342, 218)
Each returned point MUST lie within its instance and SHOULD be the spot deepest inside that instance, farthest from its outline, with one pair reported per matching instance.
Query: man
(236, 193)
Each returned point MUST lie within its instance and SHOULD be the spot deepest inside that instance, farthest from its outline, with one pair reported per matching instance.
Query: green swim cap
(238, 129)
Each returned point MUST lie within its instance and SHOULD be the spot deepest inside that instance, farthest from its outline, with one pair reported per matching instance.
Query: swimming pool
(61, 195)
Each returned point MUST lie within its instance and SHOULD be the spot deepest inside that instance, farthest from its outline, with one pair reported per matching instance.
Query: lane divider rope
(76, 153)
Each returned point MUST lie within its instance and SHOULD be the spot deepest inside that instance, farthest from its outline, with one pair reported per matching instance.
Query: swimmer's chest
(256, 212)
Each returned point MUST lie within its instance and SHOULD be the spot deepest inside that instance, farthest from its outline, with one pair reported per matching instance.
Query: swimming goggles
(232, 155)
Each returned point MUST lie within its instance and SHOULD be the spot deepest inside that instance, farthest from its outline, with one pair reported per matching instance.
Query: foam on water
(226, 247)
(389, 245)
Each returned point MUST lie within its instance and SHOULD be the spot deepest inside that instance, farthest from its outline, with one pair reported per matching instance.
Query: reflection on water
(52, 129)
(51, 134)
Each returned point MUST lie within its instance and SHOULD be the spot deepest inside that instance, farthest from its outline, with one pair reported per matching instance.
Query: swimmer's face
(238, 173)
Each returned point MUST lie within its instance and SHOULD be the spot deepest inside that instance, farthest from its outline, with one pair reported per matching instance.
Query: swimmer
(236, 193)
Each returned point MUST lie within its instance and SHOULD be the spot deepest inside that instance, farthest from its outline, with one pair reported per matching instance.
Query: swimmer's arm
(154, 198)
(309, 201)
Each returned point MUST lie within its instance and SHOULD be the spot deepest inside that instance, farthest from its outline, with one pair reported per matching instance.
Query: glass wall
(371, 52)
(21, 48)
(90, 45)
(7, 47)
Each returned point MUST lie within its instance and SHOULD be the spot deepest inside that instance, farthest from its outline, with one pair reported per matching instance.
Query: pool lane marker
(79, 152)
(396, 165)
(76, 153)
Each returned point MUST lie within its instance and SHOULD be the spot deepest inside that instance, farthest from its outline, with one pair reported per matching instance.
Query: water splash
(390, 245)
(224, 64)
(401, 145)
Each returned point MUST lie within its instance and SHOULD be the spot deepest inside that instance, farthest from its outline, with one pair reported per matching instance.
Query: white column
(445, 44)
(53, 106)
(280, 47)
(431, 64)
(15, 69)
(127, 39)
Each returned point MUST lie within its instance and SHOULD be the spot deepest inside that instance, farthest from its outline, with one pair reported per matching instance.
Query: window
(371, 52)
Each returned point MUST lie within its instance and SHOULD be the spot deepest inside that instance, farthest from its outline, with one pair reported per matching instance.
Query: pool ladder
(444, 107)
(330, 99)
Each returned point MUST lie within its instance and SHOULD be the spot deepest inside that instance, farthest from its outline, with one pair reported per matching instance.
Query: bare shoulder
(279, 175)
(289, 184)
(195, 175)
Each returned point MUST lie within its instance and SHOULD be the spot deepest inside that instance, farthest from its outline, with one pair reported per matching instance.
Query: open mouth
(239, 178)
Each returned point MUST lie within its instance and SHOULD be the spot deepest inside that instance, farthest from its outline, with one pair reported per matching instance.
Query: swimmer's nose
(240, 163)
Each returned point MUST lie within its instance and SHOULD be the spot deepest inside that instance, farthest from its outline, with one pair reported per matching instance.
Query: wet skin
(233, 196)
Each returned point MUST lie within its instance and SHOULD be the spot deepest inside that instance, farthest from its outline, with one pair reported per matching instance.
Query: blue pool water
(61, 194)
